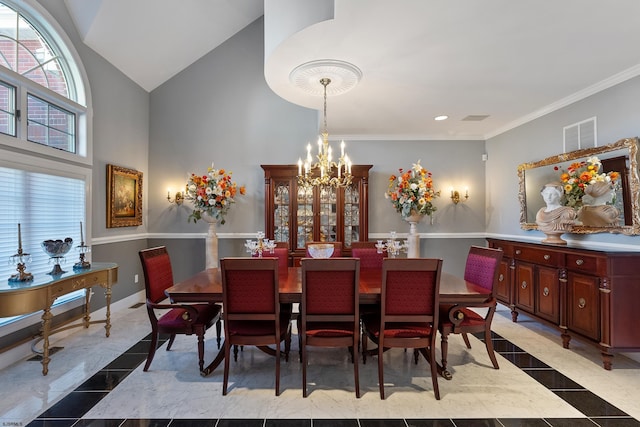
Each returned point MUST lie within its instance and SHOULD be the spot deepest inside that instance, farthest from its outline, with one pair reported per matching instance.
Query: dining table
(206, 286)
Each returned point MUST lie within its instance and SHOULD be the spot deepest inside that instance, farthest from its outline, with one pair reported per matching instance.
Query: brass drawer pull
(518, 251)
(579, 261)
(582, 303)
(545, 291)
(547, 257)
(501, 278)
(524, 284)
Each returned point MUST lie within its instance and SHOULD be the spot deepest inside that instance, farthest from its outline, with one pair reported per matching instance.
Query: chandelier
(325, 171)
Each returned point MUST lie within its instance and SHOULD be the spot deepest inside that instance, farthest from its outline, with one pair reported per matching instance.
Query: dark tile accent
(590, 404)
(38, 357)
(570, 422)
(552, 379)
(523, 422)
(240, 423)
(524, 360)
(382, 423)
(286, 423)
(74, 405)
(99, 423)
(616, 422)
(431, 423)
(145, 423)
(504, 346)
(476, 422)
(193, 423)
(335, 423)
(104, 380)
(53, 423)
(127, 361)
(140, 347)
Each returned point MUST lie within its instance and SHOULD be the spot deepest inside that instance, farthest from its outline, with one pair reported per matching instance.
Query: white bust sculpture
(596, 212)
(554, 219)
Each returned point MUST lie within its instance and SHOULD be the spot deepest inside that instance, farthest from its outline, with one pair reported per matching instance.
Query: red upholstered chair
(482, 268)
(408, 313)
(185, 319)
(281, 251)
(337, 248)
(252, 314)
(368, 254)
(329, 315)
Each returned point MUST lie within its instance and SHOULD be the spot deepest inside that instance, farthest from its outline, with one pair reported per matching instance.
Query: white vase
(211, 242)
(413, 240)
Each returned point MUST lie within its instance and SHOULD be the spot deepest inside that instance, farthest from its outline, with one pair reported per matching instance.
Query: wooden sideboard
(590, 294)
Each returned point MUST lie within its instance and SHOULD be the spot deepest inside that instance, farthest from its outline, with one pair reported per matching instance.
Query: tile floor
(98, 381)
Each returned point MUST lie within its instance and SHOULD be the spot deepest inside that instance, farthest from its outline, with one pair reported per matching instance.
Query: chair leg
(429, 354)
(303, 359)
(152, 350)
(218, 332)
(488, 342)
(201, 351)
(465, 337)
(235, 353)
(365, 344)
(278, 368)
(356, 374)
(416, 356)
(380, 368)
(227, 355)
(287, 343)
(171, 339)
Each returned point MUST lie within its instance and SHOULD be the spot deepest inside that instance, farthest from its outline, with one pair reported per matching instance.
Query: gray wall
(617, 113)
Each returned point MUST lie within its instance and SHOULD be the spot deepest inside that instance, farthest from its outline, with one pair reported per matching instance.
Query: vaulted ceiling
(511, 61)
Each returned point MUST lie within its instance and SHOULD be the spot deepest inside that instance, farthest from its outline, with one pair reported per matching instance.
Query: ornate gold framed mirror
(621, 156)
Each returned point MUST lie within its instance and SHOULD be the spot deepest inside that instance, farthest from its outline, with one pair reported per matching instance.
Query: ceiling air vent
(580, 135)
(475, 118)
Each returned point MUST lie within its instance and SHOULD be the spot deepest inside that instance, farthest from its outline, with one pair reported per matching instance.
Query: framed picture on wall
(124, 197)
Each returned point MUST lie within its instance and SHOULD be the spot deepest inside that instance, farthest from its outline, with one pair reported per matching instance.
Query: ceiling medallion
(343, 76)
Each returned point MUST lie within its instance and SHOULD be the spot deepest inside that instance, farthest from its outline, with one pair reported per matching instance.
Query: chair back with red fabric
(184, 319)
(482, 268)
(408, 311)
(337, 248)
(483, 265)
(329, 311)
(368, 254)
(251, 314)
(278, 252)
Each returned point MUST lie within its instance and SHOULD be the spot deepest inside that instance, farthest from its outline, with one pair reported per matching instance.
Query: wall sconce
(177, 199)
(457, 198)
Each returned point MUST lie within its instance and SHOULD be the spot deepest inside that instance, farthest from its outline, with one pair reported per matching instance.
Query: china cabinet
(296, 214)
(585, 293)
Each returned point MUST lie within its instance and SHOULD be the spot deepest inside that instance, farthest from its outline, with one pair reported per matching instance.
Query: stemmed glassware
(392, 246)
(260, 246)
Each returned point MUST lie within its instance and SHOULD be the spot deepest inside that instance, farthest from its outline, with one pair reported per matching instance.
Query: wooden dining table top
(206, 286)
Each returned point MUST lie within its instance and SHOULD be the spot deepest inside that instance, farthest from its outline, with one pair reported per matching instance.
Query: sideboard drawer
(540, 256)
(583, 263)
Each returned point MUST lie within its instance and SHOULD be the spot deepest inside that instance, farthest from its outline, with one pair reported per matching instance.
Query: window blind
(47, 206)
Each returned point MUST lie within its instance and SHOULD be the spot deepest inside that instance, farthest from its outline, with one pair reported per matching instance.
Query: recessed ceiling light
(440, 118)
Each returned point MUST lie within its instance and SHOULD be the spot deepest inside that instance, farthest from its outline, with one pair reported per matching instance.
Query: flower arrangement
(580, 175)
(412, 191)
(213, 194)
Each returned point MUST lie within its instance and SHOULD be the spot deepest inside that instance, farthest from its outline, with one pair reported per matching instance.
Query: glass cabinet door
(281, 211)
(328, 214)
(351, 215)
(304, 216)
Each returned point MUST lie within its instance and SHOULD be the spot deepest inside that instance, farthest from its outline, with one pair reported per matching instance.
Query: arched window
(41, 95)
(45, 151)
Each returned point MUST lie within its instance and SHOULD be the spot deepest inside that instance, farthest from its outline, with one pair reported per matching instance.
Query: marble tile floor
(98, 381)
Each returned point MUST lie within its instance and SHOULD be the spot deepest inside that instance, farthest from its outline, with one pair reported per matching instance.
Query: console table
(591, 294)
(40, 293)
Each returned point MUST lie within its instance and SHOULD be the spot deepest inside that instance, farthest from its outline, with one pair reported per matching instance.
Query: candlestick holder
(261, 245)
(20, 259)
(392, 246)
(82, 264)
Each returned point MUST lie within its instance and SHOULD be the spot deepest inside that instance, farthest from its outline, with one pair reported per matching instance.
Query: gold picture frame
(124, 197)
